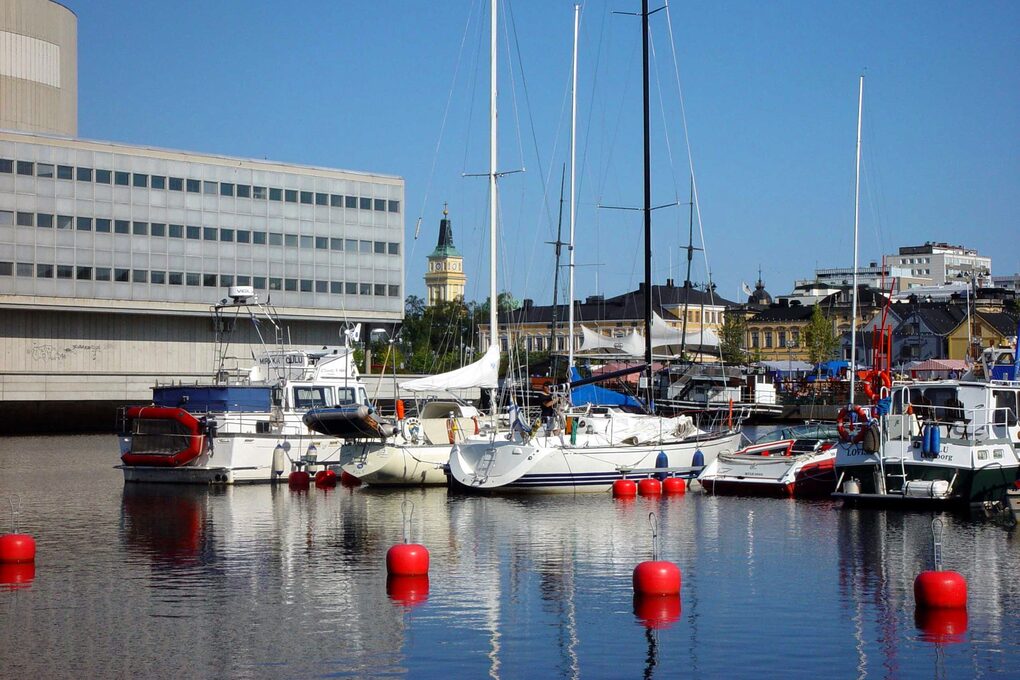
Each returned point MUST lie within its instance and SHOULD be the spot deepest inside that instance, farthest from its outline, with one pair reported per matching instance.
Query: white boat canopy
(593, 342)
(667, 338)
(483, 373)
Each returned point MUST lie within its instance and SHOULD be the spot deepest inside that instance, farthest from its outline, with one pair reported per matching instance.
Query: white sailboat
(417, 451)
(600, 444)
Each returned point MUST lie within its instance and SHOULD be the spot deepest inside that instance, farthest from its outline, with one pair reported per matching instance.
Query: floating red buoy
(942, 626)
(657, 577)
(409, 591)
(17, 548)
(657, 612)
(349, 480)
(650, 487)
(325, 479)
(407, 559)
(16, 575)
(674, 486)
(940, 590)
(299, 479)
(624, 488)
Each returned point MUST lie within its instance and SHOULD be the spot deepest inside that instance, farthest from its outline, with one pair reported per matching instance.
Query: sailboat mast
(857, 213)
(573, 210)
(493, 295)
(648, 196)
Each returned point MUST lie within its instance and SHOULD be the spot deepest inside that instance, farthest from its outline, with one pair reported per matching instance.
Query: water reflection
(262, 581)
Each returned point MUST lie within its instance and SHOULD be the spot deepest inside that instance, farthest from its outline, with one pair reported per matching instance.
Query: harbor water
(161, 581)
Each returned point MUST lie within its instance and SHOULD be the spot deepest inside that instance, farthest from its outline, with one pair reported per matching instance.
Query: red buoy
(409, 591)
(657, 612)
(17, 548)
(348, 480)
(941, 626)
(325, 479)
(15, 575)
(657, 577)
(649, 487)
(407, 559)
(298, 480)
(940, 590)
(674, 486)
(624, 488)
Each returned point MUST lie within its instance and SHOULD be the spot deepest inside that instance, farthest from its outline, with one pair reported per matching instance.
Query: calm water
(262, 582)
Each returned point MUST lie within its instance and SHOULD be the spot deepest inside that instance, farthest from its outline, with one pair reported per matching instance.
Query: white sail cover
(483, 373)
(668, 338)
(593, 342)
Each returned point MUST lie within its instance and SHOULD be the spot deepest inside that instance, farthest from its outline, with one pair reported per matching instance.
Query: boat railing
(955, 422)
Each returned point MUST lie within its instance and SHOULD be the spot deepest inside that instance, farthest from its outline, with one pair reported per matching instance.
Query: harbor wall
(64, 372)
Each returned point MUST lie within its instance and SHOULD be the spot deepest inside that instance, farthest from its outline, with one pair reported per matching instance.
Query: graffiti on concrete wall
(46, 352)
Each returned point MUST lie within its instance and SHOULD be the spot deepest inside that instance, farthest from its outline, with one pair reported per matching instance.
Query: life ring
(411, 429)
(844, 424)
(873, 382)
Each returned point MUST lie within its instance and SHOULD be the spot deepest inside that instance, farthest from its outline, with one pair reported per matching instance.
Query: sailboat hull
(544, 465)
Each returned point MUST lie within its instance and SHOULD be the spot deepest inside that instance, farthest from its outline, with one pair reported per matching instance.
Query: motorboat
(793, 462)
(244, 424)
(941, 443)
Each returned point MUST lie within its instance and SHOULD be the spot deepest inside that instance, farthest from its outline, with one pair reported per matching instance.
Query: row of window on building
(195, 186)
(164, 278)
(783, 340)
(159, 229)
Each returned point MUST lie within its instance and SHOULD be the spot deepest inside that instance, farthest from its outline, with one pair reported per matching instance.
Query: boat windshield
(806, 431)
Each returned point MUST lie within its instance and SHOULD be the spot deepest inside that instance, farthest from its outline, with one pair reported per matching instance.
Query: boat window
(363, 396)
(947, 404)
(1005, 407)
(345, 395)
(309, 397)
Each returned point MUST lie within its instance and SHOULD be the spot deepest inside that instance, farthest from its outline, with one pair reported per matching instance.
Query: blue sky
(771, 99)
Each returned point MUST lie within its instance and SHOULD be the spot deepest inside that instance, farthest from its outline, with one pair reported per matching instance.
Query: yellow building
(445, 278)
(983, 329)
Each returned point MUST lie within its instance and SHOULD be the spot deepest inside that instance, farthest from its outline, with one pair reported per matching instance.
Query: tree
(819, 338)
(731, 338)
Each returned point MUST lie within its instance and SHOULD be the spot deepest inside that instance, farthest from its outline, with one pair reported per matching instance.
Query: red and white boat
(795, 462)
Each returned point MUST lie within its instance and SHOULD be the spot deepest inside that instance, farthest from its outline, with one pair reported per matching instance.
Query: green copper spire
(445, 247)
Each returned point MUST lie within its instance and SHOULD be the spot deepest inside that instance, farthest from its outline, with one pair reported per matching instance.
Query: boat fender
(400, 409)
(661, 461)
(926, 440)
(871, 442)
(474, 419)
(699, 459)
(935, 445)
(451, 429)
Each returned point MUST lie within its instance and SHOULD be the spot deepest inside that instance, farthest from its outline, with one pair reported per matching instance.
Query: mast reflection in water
(260, 581)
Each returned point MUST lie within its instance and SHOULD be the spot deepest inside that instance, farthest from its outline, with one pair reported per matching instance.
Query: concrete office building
(939, 263)
(112, 254)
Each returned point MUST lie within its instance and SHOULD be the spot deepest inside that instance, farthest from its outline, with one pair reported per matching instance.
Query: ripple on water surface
(151, 580)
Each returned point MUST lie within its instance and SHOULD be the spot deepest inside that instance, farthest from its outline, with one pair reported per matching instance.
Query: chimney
(669, 283)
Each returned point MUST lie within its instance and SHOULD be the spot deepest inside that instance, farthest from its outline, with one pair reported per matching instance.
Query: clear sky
(771, 99)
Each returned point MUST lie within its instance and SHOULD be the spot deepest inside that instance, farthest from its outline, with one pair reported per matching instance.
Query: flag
(746, 288)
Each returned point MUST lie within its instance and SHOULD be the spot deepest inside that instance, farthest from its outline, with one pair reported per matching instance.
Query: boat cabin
(963, 410)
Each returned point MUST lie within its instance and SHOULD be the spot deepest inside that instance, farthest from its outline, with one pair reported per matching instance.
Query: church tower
(445, 277)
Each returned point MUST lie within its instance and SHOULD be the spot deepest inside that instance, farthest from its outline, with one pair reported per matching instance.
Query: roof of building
(444, 246)
(760, 296)
(629, 306)
(783, 312)
(1003, 322)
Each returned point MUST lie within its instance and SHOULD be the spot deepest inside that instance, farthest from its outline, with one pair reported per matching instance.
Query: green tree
(732, 336)
(819, 338)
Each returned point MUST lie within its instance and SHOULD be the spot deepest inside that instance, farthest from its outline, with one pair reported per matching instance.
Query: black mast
(556, 275)
(648, 200)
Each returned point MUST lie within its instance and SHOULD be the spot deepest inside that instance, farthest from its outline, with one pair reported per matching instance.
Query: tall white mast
(493, 295)
(857, 214)
(573, 156)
